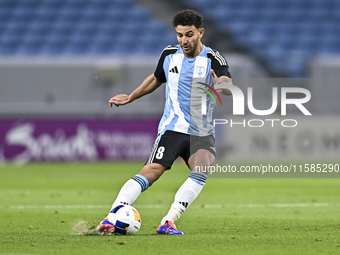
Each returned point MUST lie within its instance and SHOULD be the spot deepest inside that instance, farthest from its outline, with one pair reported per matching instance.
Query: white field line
(25, 207)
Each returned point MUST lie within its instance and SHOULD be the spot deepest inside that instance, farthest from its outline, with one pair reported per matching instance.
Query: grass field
(41, 202)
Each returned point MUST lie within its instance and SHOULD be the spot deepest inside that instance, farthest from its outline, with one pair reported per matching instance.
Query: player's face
(189, 38)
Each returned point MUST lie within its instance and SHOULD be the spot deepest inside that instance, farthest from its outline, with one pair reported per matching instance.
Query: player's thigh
(201, 160)
(201, 153)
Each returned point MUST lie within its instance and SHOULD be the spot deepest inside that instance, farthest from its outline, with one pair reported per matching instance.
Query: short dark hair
(188, 18)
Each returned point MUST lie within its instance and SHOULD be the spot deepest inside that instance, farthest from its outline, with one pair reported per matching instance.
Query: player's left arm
(220, 72)
(220, 80)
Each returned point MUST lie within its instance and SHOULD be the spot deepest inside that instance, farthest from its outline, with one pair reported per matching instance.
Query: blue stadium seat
(247, 15)
(229, 3)
(297, 4)
(115, 15)
(264, 27)
(79, 44)
(239, 30)
(153, 44)
(9, 4)
(28, 50)
(87, 28)
(223, 15)
(32, 39)
(58, 40)
(16, 28)
(55, 4)
(104, 39)
(7, 49)
(307, 42)
(79, 27)
(100, 4)
(2, 27)
(80, 4)
(94, 15)
(81, 39)
(134, 27)
(55, 44)
(122, 49)
(123, 4)
(157, 27)
(274, 57)
(24, 14)
(141, 14)
(70, 14)
(256, 6)
(128, 41)
(274, 4)
(296, 64)
(271, 15)
(110, 28)
(40, 28)
(47, 14)
(30, 4)
(63, 28)
(31, 44)
(168, 39)
(319, 5)
(258, 40)
(328, 27)
(5, 14)
(101, 48)
(318, 15)
(294, 15)
(9, 43)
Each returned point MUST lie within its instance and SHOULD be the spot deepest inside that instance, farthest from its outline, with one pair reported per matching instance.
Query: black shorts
(172, 145)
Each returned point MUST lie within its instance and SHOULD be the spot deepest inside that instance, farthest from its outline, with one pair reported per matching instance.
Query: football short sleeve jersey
(187, 83)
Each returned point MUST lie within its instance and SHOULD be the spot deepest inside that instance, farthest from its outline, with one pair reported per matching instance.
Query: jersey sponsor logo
(173, 70)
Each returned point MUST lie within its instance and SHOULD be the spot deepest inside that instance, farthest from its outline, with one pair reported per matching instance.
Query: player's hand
(217, 80)
(120, 99)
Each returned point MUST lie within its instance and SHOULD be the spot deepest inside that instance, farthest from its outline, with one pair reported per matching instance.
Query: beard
(193, 48)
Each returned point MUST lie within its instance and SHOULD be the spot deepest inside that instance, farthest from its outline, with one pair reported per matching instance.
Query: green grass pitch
(41, 202)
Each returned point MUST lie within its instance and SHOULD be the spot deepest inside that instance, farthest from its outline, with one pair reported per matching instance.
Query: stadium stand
(284, 35)
(73, 27)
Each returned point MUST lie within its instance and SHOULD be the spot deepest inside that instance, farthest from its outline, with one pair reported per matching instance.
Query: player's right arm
(148, 85)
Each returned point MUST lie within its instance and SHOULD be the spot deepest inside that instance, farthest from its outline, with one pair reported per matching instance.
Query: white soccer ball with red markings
(126, 219)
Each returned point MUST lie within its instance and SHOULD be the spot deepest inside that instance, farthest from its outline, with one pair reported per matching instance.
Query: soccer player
(189, 70)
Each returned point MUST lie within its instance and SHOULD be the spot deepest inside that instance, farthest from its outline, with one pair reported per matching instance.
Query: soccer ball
(126, 219)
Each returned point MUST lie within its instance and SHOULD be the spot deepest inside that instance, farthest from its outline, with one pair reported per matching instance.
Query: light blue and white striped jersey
(185, 80)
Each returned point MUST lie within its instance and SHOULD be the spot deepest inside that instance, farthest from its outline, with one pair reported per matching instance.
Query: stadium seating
(77, 27)
(284, 35)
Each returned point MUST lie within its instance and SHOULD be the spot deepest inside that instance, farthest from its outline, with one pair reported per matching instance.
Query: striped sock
(186, 194)
(143, 182)
(131, 190)
(198, 177)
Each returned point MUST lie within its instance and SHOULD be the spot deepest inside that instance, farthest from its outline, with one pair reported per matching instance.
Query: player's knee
(201, 160)
(152, 172)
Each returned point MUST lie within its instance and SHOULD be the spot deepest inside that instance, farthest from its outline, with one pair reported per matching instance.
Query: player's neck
(196, 52)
